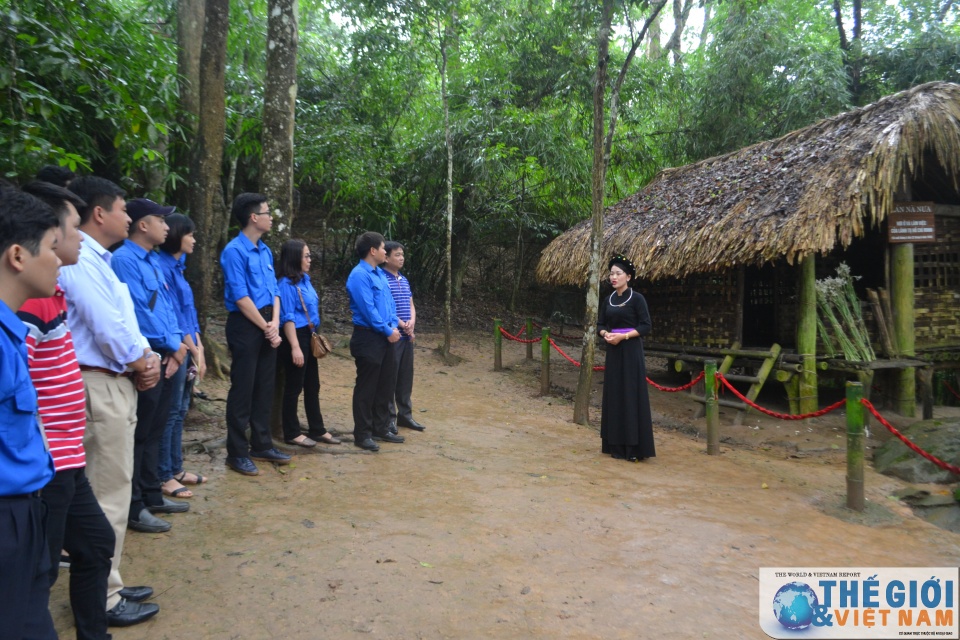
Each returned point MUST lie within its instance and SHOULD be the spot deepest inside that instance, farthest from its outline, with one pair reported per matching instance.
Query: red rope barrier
(947, 385)
(932, 458)
(675, 389)
(571, 360)
(516, 339)
(781, 416)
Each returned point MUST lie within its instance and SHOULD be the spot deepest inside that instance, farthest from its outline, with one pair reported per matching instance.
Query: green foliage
(91, 88)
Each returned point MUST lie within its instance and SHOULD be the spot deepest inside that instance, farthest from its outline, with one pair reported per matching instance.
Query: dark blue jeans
(76, 522)
(171, 443)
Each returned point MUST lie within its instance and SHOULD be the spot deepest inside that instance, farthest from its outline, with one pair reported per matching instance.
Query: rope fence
(910, 445)
(716, 381)
(950, 389)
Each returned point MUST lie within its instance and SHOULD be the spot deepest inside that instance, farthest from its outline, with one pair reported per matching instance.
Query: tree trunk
(279, 104)
(447, 330)
(581, 407)
(206, 195)
(602, 148)
(681, 13)
(189, 42)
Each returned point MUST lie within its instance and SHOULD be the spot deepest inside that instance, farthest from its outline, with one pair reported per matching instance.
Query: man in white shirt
(116, 361)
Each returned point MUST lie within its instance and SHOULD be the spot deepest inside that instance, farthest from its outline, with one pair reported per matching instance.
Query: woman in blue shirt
(299, 308)
(173, 255)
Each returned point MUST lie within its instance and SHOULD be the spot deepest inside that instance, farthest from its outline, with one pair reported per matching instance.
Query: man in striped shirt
(75, 521)
(401, 409)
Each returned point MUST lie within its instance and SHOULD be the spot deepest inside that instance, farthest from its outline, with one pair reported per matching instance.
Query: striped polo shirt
(56, 375)
(400, 289)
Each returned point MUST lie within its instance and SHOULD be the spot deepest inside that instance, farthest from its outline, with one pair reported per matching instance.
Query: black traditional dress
(626, 429)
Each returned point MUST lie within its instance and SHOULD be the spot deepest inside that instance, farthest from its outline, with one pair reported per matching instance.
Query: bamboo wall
(936, 275)
(699, 310)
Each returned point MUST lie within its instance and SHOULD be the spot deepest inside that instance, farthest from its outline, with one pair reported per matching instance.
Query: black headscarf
(624, 263)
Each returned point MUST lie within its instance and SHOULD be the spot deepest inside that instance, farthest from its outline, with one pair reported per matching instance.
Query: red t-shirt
(56, 375)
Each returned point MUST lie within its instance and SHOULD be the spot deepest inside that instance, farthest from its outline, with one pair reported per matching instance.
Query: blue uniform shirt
(25, 463)
(140, 270)
(291, 309)
(180, 293)
(370, 300)
(247, 272)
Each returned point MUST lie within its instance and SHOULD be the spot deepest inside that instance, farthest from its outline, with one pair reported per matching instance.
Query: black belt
(357, 327)
(266, 312)
(22, 496)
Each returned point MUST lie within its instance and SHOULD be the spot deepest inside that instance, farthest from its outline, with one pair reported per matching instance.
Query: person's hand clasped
(614, 338)
(394, 337)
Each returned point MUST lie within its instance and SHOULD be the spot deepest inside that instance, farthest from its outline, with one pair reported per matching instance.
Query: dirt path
(501, 520)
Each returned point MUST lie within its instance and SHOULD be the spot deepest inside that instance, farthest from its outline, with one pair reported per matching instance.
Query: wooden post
(497, 346)
(807, 334)
(926, 391)
(713, 410)
(901, 258)
(791, 382)
(854, 446)
(545, 361)
(529, 336)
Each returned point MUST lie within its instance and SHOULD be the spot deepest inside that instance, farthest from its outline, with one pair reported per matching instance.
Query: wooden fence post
(529, 336)
(497, 346)
(545, 361)
(854, 446)
(712, 409)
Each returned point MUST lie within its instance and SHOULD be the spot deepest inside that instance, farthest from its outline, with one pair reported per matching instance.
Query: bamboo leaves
(840, 307)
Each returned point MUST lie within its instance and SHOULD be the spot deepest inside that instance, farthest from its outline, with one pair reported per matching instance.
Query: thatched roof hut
(806, 193)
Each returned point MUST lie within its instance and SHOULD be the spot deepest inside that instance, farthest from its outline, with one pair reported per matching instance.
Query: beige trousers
(108, 441)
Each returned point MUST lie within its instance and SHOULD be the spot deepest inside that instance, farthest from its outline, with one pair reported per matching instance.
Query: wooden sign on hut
(728, 249)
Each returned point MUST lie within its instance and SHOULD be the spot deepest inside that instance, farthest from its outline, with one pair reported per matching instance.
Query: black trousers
(24, 571)
(401, 409)
(76, 522)
(153, 409)
(376, 382)
(297, 380)
(250, 399)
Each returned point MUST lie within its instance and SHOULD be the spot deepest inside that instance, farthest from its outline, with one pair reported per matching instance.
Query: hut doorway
(760, 326)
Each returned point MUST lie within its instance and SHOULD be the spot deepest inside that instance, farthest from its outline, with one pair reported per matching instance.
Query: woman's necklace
(622, 303)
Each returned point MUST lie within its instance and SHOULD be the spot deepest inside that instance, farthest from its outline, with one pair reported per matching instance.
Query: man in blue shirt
(137, 265)
(28, 269)
(253, 335)
(374, 332)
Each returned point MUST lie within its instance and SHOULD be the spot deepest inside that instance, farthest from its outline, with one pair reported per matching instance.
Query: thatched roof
(803, 193)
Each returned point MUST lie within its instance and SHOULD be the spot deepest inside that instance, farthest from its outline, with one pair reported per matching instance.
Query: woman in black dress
(626, 429)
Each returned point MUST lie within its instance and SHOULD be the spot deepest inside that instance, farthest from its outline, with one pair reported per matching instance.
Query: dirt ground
(502, 520)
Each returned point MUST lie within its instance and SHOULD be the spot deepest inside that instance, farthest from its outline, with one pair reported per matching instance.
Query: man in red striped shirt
(75, 521)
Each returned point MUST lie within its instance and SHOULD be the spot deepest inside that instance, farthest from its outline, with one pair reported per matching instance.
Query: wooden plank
(885, 339)
(724, 367)
(762, 375)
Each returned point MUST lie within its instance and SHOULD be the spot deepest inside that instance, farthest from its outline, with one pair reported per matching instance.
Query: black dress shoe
(389, 437)
(136, 594)
(148, 523)
(411, 424)
(128, 613)
(169, 506)
(368, 444)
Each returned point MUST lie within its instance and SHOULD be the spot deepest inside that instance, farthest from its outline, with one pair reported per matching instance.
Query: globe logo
(794, 604)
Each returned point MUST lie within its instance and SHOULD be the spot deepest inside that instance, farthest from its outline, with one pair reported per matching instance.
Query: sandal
(302, 441)
(180, 492)
(183, 479)
(328, 438)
